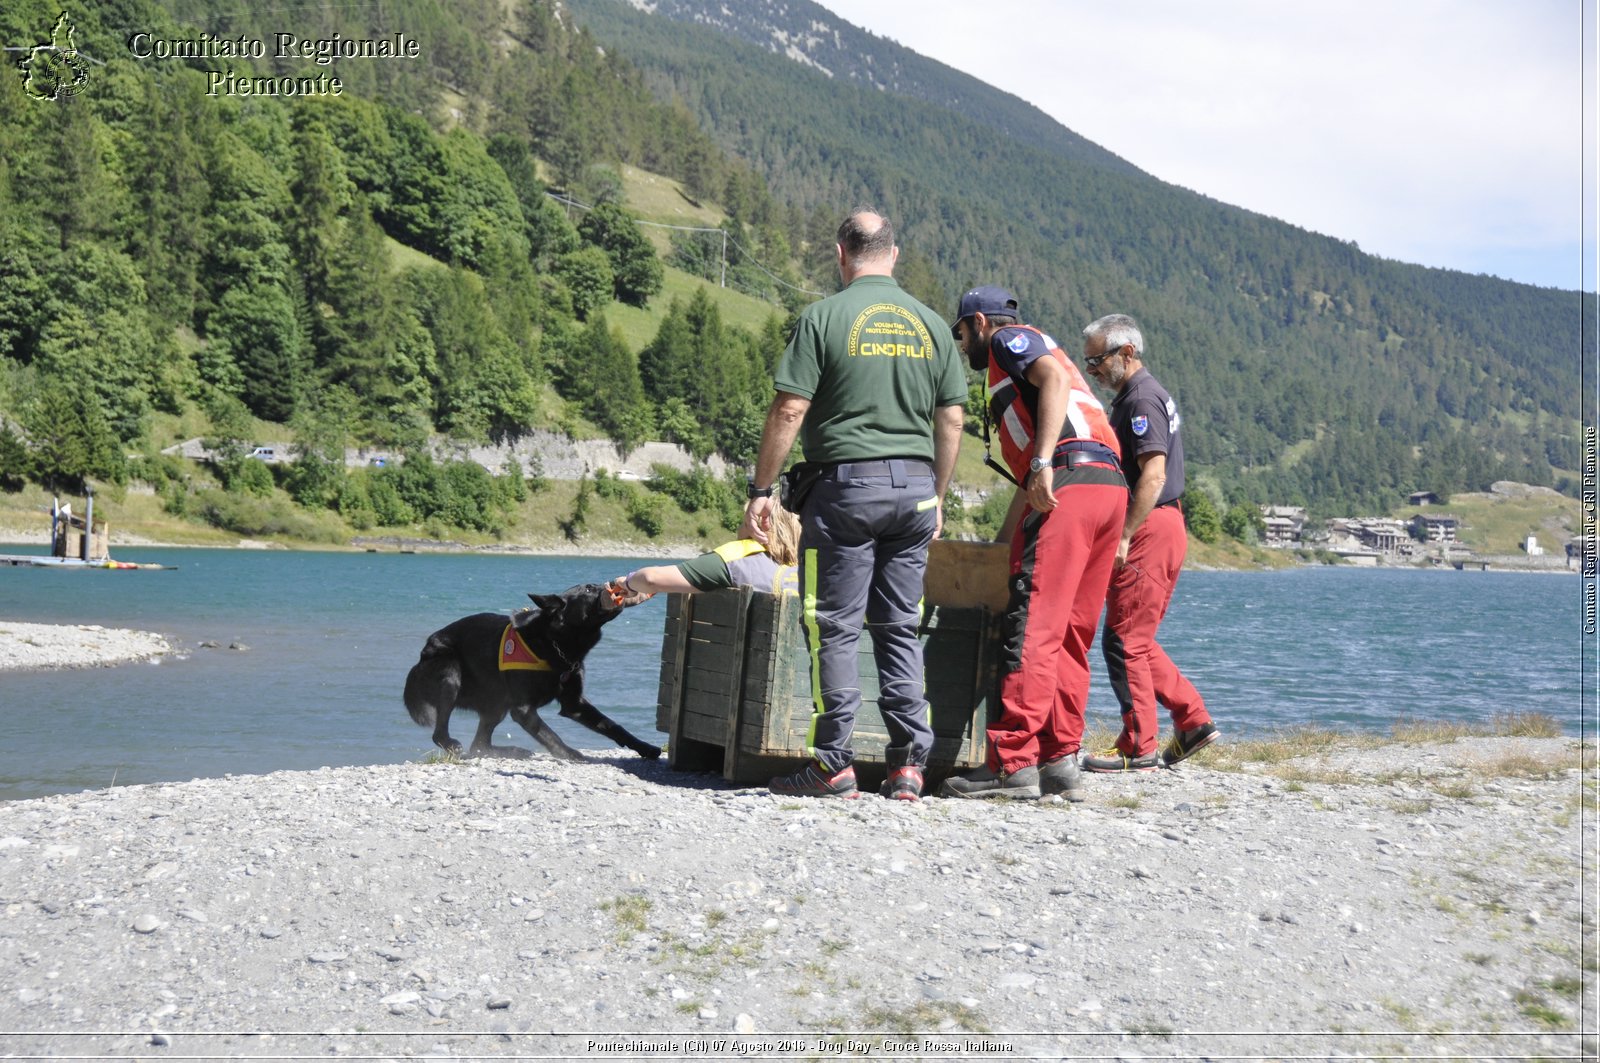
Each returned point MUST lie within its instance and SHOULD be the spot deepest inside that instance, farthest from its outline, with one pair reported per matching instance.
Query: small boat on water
(78, 543)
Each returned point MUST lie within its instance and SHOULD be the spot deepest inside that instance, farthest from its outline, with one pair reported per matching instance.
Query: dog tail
(422, 681)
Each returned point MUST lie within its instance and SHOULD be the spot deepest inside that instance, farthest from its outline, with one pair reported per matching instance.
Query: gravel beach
(74, 645)
(1404, 900)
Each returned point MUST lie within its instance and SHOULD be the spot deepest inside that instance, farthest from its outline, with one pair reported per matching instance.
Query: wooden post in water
(88, 522)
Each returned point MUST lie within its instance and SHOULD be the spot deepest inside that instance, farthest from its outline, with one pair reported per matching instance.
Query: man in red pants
(1153, 545)
(1063, 528)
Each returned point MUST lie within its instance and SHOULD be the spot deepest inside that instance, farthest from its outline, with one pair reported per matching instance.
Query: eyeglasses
(1094, 362)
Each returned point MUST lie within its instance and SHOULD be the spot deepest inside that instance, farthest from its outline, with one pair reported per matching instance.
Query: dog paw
(649, 752)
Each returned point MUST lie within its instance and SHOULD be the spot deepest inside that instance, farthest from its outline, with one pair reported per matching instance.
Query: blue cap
(988, 300)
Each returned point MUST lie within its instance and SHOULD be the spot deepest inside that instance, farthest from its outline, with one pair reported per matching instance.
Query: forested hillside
(384, 265)
(372, 267)
(1310, 371)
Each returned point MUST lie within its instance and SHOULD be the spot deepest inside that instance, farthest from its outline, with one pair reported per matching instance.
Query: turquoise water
(331, 637)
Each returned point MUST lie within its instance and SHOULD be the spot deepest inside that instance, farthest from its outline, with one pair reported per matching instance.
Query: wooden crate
(735, 689)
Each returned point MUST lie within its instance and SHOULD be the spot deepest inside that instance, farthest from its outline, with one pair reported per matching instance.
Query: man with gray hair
(1145, 572)
(872, 385)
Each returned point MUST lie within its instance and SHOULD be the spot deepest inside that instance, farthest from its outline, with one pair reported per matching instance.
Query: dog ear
(547, 604)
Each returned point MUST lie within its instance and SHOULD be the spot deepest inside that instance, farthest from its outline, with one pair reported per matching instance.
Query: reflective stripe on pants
(863, 553)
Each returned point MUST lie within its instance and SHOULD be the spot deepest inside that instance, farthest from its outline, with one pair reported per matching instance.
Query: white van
(266, 454)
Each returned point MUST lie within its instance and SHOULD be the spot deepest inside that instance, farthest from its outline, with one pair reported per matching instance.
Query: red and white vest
(1086, 418)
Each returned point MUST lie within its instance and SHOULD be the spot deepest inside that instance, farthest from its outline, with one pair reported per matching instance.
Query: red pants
(1060, 563)
(1141, 673)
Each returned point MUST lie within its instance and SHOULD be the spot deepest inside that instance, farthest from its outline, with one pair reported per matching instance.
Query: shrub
(955, 510)
(573, 527)
(158, 470)
(315, 481)
(246, 515)
(383, 492)
(1243, 522)
(471, 500)
(645, 512)
(175, 498)
(536, 480)
(992, 514)
(612, 489)
(1201, 516)
(250, 477)
(14, 461)
(589, 278)
(510, 484)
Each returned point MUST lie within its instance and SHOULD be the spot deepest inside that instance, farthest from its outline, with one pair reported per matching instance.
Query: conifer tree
(636, 269)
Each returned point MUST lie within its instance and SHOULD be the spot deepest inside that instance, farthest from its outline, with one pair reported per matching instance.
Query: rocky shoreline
(1407, 899)
(74, 645)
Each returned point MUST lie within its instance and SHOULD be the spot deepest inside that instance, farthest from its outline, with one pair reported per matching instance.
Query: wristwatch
(752, 491)
(1037, 464)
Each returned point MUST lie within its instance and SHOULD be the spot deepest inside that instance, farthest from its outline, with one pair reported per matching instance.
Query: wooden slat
(742, 682)
(730, 731)
(718, 608)
(710, 657)
(680, 607)
(707, 729)
(967, 574)
(710, 684)
(711, 634)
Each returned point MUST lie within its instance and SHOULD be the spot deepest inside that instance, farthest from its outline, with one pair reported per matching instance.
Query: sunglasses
(1094, 363)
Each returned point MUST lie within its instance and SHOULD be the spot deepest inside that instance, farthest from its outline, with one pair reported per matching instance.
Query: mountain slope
(812, 36)
(1388, 376)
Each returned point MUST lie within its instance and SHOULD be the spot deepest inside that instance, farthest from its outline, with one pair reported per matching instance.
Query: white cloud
(1446, 132)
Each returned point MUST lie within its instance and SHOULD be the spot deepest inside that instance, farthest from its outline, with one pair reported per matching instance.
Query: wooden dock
(78, 544)
(79, 564)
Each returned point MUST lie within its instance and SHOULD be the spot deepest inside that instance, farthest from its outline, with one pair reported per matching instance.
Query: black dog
(460, 669)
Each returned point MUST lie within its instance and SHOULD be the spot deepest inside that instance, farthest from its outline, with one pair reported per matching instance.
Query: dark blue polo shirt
(1146, 422)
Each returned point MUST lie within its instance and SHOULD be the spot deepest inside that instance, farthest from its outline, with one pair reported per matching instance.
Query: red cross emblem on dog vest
(515, 655)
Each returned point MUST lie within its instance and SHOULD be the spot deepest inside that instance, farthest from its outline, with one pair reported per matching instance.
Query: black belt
(1070, 453)
(897, 469)
(1169, 503)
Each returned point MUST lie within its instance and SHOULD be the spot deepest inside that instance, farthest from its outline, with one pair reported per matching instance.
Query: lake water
(331, 636)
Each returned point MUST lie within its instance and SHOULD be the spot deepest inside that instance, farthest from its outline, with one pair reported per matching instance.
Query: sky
(1442, 132)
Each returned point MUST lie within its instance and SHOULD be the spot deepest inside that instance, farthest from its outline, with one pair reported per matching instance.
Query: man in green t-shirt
(873, 387)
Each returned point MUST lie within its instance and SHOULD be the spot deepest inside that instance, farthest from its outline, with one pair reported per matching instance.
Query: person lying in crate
(740, 563)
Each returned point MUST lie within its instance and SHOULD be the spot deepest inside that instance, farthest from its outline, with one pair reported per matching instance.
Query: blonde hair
(783, 538)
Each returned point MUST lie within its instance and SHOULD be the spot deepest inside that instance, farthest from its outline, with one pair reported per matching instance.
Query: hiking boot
(1061, 776)
(986, 782)
(1185, 744)
(903, 784)
(814, 780)
(1114, 759)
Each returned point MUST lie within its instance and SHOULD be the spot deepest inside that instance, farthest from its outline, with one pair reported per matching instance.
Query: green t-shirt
(741, 563)
(875, 363)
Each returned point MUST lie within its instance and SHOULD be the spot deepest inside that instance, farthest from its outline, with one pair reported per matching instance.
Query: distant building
(1374, 535)
(1531, 547)
(1381, 536)
(1578, 549)
(1422, 498)
(1435, 529)
(1283, 525)
(1343, 534)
